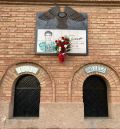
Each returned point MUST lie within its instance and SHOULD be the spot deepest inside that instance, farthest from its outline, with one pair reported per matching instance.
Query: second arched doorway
(95, 97)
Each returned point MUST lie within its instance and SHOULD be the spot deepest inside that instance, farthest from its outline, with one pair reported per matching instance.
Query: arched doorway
(95, 97)
(26, 97)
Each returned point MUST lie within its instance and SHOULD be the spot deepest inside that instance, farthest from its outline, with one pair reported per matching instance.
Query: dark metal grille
(27, 97)
(95, 97)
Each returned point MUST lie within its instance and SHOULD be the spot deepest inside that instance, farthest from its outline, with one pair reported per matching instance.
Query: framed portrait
(53, 24)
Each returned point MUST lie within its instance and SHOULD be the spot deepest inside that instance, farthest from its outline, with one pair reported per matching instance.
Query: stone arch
(80, 76)
(111, 78)
(10, 77)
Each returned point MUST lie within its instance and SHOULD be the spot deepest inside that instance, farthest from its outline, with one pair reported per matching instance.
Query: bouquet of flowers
(62, 47)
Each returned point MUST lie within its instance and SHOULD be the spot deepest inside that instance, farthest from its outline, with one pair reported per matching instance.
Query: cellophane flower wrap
(62, 47)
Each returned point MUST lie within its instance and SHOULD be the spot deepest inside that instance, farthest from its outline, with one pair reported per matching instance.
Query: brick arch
(10, 77)
(111, 78)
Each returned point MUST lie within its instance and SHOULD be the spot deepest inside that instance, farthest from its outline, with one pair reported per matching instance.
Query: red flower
(66, 43)
(59, 41)
(62, 50)
(58, 44)
(63, 38)
(62, 47)
(66, 39)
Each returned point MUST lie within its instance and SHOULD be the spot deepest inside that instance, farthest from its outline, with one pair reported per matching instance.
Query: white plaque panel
(26, 69)
(96, 68)
(46, 43)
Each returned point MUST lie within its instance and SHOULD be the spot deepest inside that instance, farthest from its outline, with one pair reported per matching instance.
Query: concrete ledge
(60, 115)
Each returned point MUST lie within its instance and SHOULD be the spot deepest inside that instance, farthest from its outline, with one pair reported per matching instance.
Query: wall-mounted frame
(53, 24)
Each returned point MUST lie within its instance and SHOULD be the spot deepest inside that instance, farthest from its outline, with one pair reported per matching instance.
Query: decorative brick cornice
(64, 2)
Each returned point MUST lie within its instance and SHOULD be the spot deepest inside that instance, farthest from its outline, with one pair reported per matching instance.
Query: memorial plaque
(53, 24)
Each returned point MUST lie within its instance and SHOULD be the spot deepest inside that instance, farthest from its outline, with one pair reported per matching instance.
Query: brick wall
(17, 44)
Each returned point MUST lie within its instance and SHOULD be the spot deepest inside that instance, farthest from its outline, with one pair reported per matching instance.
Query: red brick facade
(59, 82)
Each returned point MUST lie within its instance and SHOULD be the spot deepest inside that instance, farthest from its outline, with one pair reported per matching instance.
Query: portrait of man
(47, 46)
